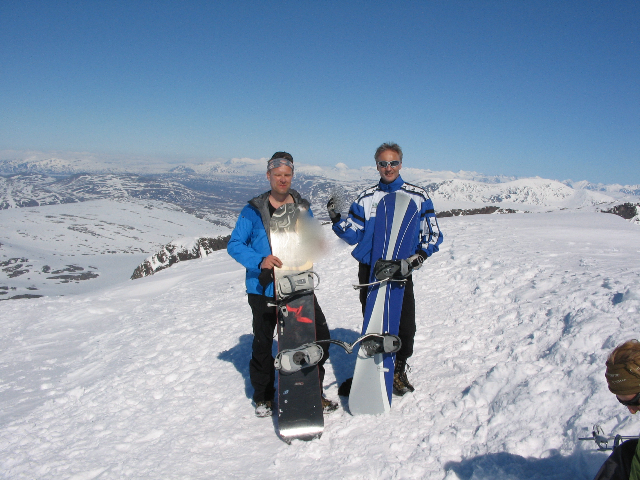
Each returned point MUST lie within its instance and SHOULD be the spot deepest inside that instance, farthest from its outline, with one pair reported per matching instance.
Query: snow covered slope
(149, 378)
(78, 247)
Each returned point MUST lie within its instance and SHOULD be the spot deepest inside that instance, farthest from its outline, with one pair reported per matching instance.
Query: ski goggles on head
(634, 402)
(384, 164)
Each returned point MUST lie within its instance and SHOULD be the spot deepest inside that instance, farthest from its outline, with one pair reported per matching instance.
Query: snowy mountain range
(108, 215)
(217, 190)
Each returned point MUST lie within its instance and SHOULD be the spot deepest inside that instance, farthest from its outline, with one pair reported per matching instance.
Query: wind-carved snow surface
(149, 378)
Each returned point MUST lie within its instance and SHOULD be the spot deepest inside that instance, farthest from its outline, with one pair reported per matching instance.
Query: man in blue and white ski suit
(357, 230)
(250, 245)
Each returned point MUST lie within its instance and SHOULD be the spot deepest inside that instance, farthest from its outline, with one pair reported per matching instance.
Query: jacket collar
(260, 202)
(391, 187)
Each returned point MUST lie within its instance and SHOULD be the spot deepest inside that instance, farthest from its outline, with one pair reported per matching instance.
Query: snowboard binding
(372, 343)
(380, 344)
(390, 270)
(296, 283)
(393, 270)
(386, 271)
(293, 286)
(295, 359)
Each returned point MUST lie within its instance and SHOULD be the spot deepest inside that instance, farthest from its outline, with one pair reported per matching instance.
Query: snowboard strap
(388, 271)
(381, 344)
(391, 269)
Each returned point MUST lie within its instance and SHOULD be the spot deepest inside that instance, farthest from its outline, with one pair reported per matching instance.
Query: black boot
(345, 387)
(401, 383)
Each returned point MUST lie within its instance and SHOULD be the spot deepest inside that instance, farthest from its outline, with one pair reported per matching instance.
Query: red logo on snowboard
(298, 314)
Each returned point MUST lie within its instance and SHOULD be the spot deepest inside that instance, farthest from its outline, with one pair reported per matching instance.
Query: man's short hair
(388, 146)
(284, 155)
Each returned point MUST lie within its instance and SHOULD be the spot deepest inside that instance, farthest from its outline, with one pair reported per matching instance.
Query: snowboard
(394, 237)
(300, 413)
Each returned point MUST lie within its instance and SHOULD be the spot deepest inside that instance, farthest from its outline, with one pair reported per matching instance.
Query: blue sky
(525, 88)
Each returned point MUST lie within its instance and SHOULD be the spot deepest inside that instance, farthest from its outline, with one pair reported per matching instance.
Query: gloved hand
(265, 277)
(331, 209)
(408, 265)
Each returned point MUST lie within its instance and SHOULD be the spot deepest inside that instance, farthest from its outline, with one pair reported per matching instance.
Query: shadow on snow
(341, 362)
(506, 466)
(239, 356)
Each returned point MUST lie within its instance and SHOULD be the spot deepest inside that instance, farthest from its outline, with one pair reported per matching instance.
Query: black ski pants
(261, 370)
(407, 316)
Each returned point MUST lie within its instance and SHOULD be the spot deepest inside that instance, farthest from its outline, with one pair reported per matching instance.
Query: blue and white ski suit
(357, 229)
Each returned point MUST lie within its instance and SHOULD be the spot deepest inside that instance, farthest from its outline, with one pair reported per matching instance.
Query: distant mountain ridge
(65, 164)
(217, 190)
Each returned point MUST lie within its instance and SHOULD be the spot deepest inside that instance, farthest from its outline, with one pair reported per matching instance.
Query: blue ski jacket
(250, 243)
(357, 228)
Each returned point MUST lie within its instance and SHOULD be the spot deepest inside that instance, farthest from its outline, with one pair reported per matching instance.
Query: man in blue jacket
(357, 230)
(250, 246)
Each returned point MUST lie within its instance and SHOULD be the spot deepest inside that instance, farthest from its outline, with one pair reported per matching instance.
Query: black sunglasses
(383, 164)
(634, 402)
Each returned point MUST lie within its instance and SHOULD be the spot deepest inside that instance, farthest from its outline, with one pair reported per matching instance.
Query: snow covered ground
(79, 247)
(149, 378)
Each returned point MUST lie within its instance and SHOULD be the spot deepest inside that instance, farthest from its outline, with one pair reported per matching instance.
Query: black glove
(266, 276)
(331, 208)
